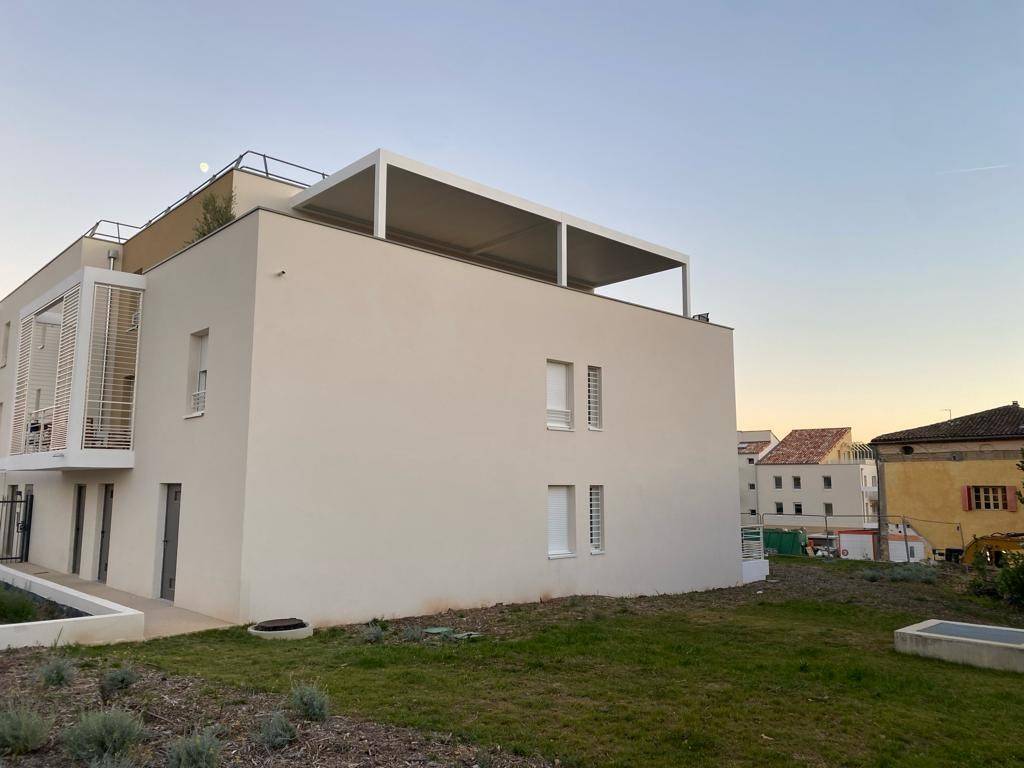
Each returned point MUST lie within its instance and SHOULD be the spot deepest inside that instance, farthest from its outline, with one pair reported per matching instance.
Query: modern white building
(818, 479)
(751, 445)
(387, 391)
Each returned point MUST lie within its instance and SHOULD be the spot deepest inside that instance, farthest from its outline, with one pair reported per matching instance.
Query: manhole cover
(279, 625)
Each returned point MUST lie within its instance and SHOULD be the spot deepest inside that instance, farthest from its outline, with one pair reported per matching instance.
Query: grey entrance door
(76, 549)
(108, 508)
(170, 568)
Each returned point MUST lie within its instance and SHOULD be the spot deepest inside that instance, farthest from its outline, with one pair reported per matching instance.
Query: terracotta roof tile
(806, 446)
(1004, 422)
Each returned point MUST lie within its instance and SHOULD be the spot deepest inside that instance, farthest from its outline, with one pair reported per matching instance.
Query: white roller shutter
(559, 388)
(559, 503)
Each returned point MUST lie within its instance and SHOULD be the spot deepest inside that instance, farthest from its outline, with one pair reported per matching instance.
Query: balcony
(73, 404)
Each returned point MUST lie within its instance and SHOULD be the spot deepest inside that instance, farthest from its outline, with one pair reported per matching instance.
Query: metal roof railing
(112, 231)
(253, 162)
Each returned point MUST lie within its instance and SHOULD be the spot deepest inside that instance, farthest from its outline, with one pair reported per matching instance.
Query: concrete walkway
(163, 619)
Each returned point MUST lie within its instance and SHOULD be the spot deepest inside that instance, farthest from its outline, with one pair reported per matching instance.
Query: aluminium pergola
(399, 199)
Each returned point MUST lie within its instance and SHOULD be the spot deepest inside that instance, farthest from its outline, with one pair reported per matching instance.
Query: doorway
(171, 518)
(108, 508)
(79, 523)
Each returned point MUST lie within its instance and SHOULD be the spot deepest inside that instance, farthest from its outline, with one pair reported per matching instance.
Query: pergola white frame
(381, 159)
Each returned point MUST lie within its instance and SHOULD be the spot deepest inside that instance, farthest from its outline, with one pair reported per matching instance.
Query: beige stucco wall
(84, 252)
(375, 442)
(399, 459)
(208, 286)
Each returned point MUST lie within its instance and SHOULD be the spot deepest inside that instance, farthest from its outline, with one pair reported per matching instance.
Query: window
(750, 461)
(796, 482)
(777, 479)
(752, 512)
(828, 509)
(596, 519)
(989, 497)
(559, 520)
(6, 342)
(594, 420)
(778, 508)
(198, 376)
(874, 481)
(751, 486)
(798, 508)
(559, 395)
(827, 482)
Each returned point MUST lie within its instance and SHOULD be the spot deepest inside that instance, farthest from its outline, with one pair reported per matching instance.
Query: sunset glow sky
(846, 178)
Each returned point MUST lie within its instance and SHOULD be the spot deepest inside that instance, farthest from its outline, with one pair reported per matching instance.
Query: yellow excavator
(993, 547)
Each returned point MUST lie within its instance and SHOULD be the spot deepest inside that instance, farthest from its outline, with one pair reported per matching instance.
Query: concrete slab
(979, 645)
(162, 619)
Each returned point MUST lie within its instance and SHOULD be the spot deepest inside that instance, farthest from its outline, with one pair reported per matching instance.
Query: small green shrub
(15, 607)
(922, 574)
(276, 732)
(97, 734)
(373, 633)
(216, 211)
(200, 750)
(1010, 581)
(22, 731)
(310, 702)
(872, 574)
(413, 634)
(116, 680)
(57, 672)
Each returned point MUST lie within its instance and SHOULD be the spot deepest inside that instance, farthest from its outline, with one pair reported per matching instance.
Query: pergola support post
(380, 198)
(563, 247)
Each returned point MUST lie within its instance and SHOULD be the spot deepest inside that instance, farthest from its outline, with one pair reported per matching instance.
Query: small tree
(217, 210)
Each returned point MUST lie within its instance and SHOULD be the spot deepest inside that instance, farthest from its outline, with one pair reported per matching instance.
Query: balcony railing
(39, 430)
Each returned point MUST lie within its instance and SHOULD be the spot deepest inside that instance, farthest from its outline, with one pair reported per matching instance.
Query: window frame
(989, 498)
(556, 426)
(828, 509)
(600, 548)
(798, 508)
(570, 517)
(798, 483)
(198, 373)
(777, 482)
(826, 482)
(779, 508)
(595, 398)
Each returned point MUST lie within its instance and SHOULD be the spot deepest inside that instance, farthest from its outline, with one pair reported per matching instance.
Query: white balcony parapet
(74, 394)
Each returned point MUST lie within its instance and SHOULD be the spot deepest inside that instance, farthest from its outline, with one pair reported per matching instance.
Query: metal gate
(15, 529)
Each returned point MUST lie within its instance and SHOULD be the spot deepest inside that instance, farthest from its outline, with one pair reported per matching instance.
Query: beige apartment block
(819, 480)
(751, 445)
(383, 392)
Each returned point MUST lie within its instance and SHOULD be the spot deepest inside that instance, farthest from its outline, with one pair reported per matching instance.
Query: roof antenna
(949, 413)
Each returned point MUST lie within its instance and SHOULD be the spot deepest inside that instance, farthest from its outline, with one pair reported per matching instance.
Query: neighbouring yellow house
(954, 480)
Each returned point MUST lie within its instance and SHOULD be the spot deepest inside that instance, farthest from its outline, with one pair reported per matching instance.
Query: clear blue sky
(812, 158)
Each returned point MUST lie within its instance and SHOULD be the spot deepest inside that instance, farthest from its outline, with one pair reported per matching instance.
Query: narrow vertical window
(198, 372)
(798, 508)
(559, 520)
(594, 419)
(777, 480)
(827, 482)
(796, 482)
(6, 344)
(596, 519)
(778, 508)
(828, 509)
(559, 387)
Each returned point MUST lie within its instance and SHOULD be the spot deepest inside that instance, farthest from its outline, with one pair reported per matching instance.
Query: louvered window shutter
(1011, 498)
(558, 520)
(965, 498)
(594, 418)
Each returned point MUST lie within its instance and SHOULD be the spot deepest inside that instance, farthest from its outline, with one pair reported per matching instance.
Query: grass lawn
(802, 674)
